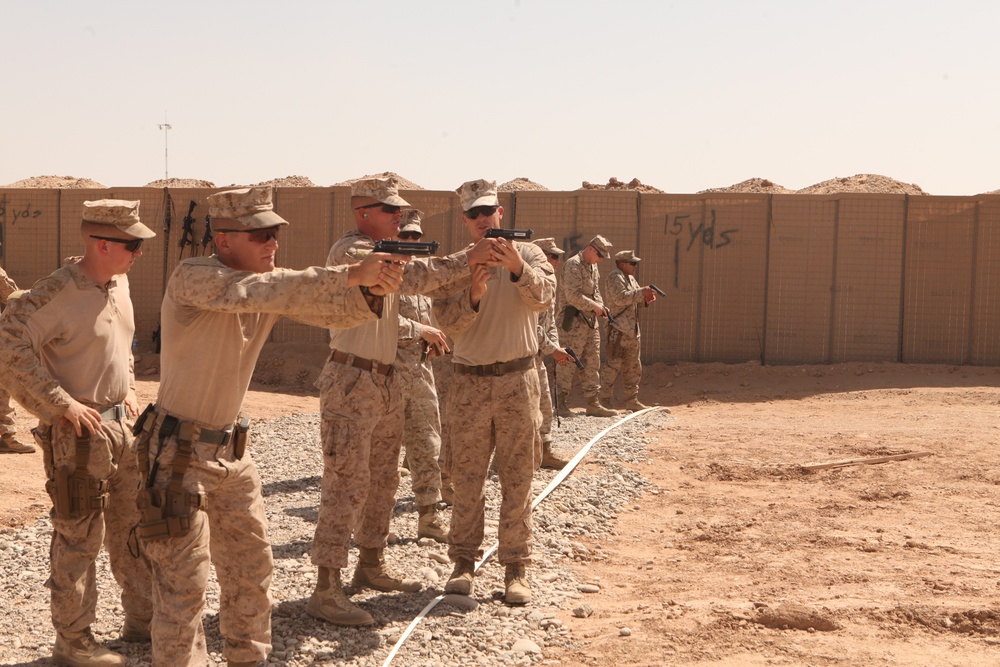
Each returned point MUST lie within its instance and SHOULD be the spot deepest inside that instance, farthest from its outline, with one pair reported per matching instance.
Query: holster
(241, 436)
(569, 314)
(166, 513)
(74, 493)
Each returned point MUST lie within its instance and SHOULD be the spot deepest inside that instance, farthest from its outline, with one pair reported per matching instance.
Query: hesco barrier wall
(783, 279)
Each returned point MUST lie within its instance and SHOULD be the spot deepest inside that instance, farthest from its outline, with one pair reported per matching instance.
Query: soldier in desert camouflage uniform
(362, 409)
(494, 397)
(578, 307)
(66, 356)
(548, 344)
(216, 315)
(9, 443)
(623, 296)
(419, 342)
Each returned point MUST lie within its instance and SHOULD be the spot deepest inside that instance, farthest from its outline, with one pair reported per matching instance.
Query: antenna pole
(165, 127)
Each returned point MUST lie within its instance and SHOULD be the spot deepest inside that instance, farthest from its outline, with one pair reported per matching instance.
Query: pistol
(411, 248)
(576, 359)
(607, 314)
(509, 234)
(657, 289)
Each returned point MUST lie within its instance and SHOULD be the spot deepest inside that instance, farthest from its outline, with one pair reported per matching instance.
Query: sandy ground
(862, 564)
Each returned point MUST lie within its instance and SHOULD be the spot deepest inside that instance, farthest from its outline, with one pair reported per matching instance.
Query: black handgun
(576, 359)
(411, 248)
(657, 289)
(607, 314)
(509, 234)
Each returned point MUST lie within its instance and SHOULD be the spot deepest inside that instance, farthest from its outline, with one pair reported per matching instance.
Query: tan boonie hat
(410, 222)
(626, 256)
(549, 246)
(602, 246)
(380, 189)
(251, 207)
(118, 213)
(479, 192)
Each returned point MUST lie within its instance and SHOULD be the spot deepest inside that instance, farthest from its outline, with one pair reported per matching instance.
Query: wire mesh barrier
(781, 279)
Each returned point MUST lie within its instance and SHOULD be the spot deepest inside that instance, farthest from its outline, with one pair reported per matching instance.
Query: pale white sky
(684, 95)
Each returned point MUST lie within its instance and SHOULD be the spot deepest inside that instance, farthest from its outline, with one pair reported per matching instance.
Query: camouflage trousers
(486, 415)
(621, 357)
(544, 398)
(231, 533)
(422, 435)
(586, 342)
(444, 376)
(361, 432)
(6, 414)
(79, 533)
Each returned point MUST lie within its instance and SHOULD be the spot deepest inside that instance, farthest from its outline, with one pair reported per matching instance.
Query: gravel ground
(458, 631)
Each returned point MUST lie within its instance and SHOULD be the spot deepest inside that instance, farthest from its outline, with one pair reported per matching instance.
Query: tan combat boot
(595, 409)
(135, 630)
(429, 524)
(9, 444)
(633, 404)
(516, 581)
(605, 398)
(549, 459)
(83, 651)
(329, 603)
(371, 573)
(460, 581)
(562, 407)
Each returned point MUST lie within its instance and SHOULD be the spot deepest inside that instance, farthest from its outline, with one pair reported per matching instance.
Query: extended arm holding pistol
(657, 289)
(412, 248)
(509, 234)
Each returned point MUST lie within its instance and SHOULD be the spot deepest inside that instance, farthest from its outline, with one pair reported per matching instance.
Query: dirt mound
(404, 184)
(753, 185)
(519, 184)
(48, 182)
(180, 183)
(615, 184)
(992, 192)
(289, 182)
(863, 183)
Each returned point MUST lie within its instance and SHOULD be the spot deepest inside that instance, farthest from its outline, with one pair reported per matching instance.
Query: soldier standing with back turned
(9, 443)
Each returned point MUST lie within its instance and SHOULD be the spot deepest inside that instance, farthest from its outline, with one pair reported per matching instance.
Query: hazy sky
(683, 95)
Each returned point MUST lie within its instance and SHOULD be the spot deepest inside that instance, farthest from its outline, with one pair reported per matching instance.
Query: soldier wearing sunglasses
(199, 475)
(66, 356)
(361, 400)
(494, 395)
(623, 296)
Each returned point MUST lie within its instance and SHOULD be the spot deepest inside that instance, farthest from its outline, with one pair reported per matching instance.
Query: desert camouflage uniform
(70, 338)
(444, 378)
(362, 411)
(215, 321)
(422, 421)
(548, 342)
(7, 287)
(624, 295)
(487, 413)
(578, 287)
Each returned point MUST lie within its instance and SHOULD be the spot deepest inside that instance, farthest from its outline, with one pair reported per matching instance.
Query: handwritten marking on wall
(19, 214)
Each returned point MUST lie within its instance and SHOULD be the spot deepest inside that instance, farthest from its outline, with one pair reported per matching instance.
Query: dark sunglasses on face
(476, 211)
(386, 208)
(553, 256)
(130, 244)
(410, 236)
(255, 235)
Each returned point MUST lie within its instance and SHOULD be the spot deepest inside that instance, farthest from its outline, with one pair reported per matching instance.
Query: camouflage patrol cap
(380, 189)
(479, 192)
(602, 246)
(250, 207)
(410, 222)
(549, 246)
(118, 213)
(626, 256)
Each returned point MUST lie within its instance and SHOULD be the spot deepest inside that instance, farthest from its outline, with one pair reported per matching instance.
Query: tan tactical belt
(499, 368)
(361, 362)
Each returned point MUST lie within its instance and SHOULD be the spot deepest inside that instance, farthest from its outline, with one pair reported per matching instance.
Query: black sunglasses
(410, 236)
(256, 235)
(477, 211)
(554, 256)
(130, 244)
(386, 208)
